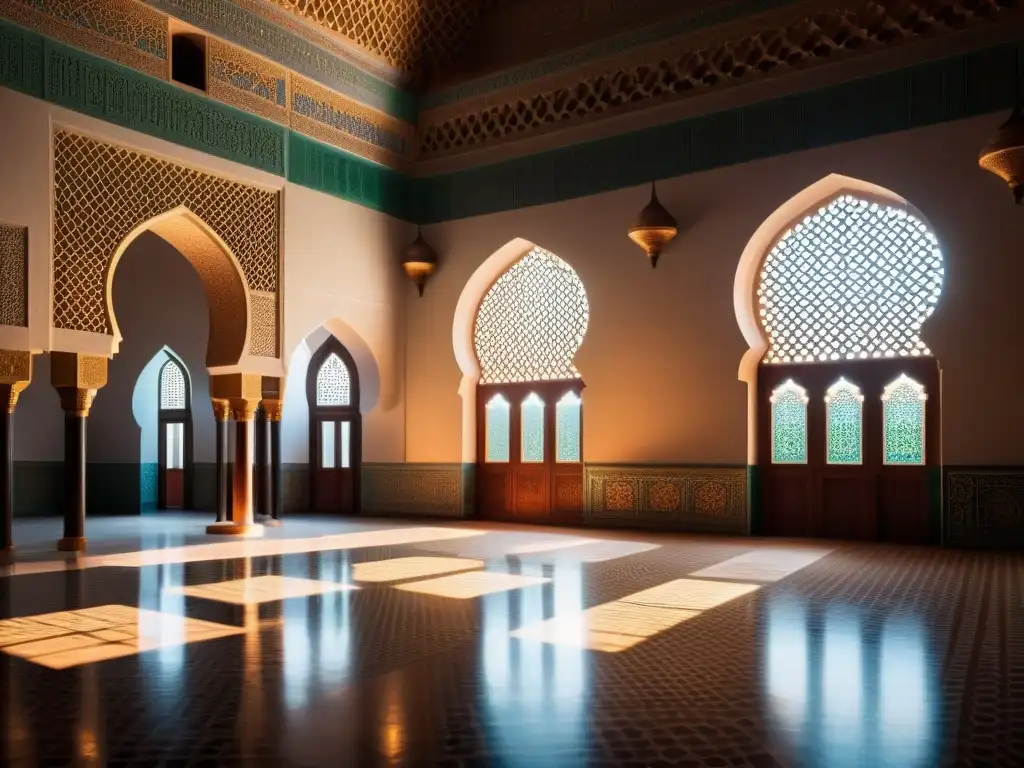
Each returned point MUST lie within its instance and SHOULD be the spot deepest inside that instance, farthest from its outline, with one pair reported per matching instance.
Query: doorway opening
(174, 448)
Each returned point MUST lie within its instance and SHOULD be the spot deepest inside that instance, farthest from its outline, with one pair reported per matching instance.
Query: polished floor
(366, 643)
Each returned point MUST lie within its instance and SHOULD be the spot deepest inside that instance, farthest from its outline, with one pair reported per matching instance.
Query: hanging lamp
(419, 261)
(1004, 154)
(654, 228)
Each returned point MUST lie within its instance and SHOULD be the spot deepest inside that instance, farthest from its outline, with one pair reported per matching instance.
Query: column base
(71, 544)
(248, 530)
(267, 520)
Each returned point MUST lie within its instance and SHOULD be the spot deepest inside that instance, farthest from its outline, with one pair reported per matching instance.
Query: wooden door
(848, 478)
(334, 481)
(173, 457)
(529, 447)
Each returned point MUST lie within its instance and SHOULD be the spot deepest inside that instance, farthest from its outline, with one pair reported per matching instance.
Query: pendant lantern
(419, 261)
(1004, 154)
(654, 228)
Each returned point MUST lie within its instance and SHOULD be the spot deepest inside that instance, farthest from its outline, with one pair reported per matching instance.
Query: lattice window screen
(531, 322)
(844, 406)
(853, 280)
(172, 387)
(333, 383)
(789, 424)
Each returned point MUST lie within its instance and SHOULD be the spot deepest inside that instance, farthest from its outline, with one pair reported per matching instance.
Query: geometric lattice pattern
(498, 426)
(567, 428)
(263, 325)
(844, 404)
(406, 33)
(13, 275)
(532, 425)
(904, 402)
(531, 322)
(333, 382)
(689, 66)
(102, 192)
(172, 386)
(789, 424)
(854, 279)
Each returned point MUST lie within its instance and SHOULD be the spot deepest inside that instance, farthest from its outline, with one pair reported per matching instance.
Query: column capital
(70, 370)
(243, 409)
(15, 375)
(221, 409)
(273, 408)
(9, 395)
(75, 400)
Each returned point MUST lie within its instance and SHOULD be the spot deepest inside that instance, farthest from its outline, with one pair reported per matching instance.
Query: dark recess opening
(188, 60)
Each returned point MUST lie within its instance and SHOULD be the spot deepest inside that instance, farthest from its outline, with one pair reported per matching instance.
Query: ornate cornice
(794, 37)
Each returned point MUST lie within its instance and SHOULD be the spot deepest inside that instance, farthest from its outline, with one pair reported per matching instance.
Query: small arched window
(789, 424)
(172, 386)
(844, 406)
(903, 401)
(498, 412)
(333, 383)
(533, 429)
(567, 428)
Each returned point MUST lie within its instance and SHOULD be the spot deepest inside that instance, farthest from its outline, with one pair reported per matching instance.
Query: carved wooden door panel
(840, 455)
(334, 481)
(528, 444)
(173, 456)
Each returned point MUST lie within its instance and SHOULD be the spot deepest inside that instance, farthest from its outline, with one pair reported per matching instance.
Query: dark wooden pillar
(15, 375)
(75, 403)
(221, 414)
(270, 462)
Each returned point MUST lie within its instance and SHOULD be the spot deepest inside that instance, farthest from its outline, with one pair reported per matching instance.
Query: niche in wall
(188, 59)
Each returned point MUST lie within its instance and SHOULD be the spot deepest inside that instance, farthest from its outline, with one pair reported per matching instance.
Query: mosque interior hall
(531, 383)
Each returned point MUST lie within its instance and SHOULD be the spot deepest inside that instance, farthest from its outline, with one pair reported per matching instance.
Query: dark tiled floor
(792, 654)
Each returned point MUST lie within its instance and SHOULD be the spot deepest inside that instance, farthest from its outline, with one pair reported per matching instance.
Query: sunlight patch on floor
(411, 568)
(72, 638)
(260, 589)
(764, 565)
(622, 624)
(464, 586)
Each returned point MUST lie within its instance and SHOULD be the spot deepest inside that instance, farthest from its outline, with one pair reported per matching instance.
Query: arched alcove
(831, 294)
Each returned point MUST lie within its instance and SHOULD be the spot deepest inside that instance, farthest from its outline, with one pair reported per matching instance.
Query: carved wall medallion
(711, 499)
(665, 497)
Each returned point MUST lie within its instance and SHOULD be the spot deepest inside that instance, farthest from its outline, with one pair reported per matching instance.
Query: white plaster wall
(341, 272)
(661, 355)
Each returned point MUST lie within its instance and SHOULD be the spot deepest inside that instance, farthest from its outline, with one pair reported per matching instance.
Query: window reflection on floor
(843, 693)
(261, 589)
(400, 568)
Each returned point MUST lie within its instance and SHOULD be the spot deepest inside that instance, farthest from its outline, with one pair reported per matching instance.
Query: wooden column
(15, 375)
(77, 378)
(221, 414)
(242, 392)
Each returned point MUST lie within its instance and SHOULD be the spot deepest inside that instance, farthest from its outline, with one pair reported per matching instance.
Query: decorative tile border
(291, 48)
(119, 30)
(417, 489)
(689, 498)
(985, 507)
(325, 115)
(247, 82)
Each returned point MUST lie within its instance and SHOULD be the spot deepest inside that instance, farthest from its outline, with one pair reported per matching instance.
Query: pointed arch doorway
(847, 395)
(174, 447)
(335, 429)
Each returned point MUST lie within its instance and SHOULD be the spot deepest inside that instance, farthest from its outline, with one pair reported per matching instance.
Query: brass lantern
(654, 228)
(419, 261)
(1004, 154)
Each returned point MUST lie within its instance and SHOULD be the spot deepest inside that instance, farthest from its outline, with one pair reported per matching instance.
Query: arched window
(842, 296)
(528, 328)
(904, 401)
(789, 424)
(853, 280)
(335, 429)
(844, 405)
(175, 447)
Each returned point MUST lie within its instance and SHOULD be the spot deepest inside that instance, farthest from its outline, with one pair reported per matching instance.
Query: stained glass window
(567, 428)
(531, 322)
(789, 424)
(498, 429)
(903, 401)
(172, 386)
(333, 383)
(533, 428)
(853, 280)
(844, 406)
